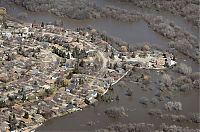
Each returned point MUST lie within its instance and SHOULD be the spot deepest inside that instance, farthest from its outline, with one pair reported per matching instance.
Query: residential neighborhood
(48, 71)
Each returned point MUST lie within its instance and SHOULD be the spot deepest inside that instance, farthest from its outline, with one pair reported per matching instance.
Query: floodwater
(178, 20)
(132, 33)
(136, 112)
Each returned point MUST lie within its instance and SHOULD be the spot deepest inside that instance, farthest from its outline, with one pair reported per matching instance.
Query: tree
(81, 81)
(2, 104)
(12, 127)
(68, 56)
(9, 57)
(10, 119)
(129, 92)
(106, 50)
(133, 55)
(74, 54)
(23, 97)
(14, 119)
(184, 69)
(52, 90)
(115, 112)
(117, 98)
(42, 25)
(63, 55)
(120, 55)
(83, 53)
(35, 83)
(21, 125)
(4, 22)
(38, 111)
(34, 55)
(26, 115)
(66, 82)
(38, 49)
(70, 75)
(81, 64)
(77, 40)
(115, 66)
(76, 69)
(112, 55)
(92, 38)
(166, 79)
(146, 47)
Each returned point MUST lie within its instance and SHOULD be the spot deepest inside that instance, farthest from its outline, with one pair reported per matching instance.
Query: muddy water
(136, 112)
(129, 32)
(178, 20)
(132, 33)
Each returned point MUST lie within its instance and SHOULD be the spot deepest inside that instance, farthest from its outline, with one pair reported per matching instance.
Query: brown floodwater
(178, 20)
(136, 112)
(132, 33)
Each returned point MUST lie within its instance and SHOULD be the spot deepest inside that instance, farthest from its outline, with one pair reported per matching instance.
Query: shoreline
(34, 127)
(59, 115)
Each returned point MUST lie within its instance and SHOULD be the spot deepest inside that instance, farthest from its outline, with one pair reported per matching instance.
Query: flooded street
(132, 33)
(136, 112)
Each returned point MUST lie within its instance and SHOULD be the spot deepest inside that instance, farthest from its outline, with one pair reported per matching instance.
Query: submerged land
(48, 70)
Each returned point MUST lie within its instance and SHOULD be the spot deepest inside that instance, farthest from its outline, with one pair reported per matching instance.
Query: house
(46, 87)
(7, 34)
(50, 26)
(36, 25)
(120, 70)
(66, 32)
(28, 25)
(25, 30)
(35, 72)
(71, 108)
(3, 101)
(90, 99)
(70, 87)
(38, 118)
(94, 94)
(106, 84)
(75, 81)
(91, 53)
(28, 88)
(1, 43)
(4, 127)
(101, 91)
(160, 62)
(70, 63)
(170, 62)
(50, 81)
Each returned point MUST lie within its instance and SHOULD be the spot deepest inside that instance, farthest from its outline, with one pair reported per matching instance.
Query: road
(104, 59)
